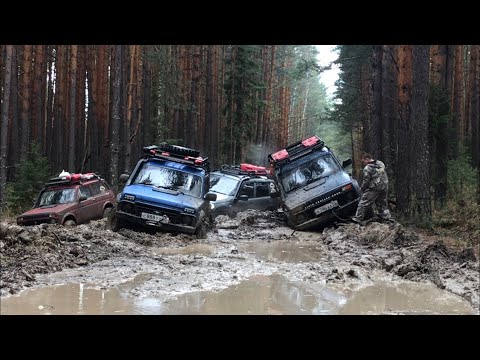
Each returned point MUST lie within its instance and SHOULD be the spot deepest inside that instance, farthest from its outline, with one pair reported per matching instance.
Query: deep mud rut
(241, 256)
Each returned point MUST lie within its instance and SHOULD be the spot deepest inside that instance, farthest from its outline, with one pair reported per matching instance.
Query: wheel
(180, 150)
(113, 222)
(201, 232)
(69, 223)
(106, 212)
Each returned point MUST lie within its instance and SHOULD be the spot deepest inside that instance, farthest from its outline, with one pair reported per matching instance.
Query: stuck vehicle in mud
(242, 187)
(71, 199)
(167, 190)
(314, 187)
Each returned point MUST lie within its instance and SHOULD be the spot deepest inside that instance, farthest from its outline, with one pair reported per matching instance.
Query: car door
(246, 188)
(98, 198)
(262, 199)
(85, 207)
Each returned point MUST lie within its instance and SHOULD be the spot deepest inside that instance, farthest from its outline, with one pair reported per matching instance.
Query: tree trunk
(129, 106)
(457, 116)
(25, 97)
(38, 95)
(116, 112)
(404, 164)
(49, 112)
(72, 103)
(474, 107)
(4, 123)
(13, 139)
(440, 77)
(377, 115)
(420, 208)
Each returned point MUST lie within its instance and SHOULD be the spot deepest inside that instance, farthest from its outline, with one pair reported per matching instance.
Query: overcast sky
(326, 56)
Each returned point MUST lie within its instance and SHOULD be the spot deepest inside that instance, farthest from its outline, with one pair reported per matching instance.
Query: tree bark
(421, 201)
(25, 99)
(4, 123)
(457, 116)
(116, 111)
(72, 103)
(13, 138)
(440, 77)
(404, 164)
(375, 143)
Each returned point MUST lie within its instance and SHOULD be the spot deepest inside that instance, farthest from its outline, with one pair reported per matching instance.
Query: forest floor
(164, 265)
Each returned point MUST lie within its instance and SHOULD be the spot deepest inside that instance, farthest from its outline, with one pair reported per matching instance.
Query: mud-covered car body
(314, 187)
(242, 187)
(168, 190)
(72, 198)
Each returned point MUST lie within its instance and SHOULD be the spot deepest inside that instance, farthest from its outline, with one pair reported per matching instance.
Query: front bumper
(161, 225)
(35, 220)
(343, 212)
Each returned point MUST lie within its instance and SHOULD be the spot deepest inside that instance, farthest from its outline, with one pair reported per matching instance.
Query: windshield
(168, 178)
(223, 184)
(309, 172)
(53, 197)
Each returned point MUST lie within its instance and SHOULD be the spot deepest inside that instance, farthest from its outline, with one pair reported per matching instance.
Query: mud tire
(106, 211)
(113, 222)
(70, 223)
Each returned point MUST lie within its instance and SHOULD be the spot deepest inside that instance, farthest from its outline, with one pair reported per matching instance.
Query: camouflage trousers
(370, 197)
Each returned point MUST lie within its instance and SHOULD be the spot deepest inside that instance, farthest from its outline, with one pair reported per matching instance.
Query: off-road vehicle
(167, 190)
(314, 187)
(71, 199)
(242, 187)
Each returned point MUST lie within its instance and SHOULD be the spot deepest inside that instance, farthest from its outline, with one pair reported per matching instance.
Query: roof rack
(296, 150)
(71, 179)
(245, 169)
(176, 154)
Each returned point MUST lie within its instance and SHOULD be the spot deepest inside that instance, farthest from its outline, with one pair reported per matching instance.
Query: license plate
(152, 217)
(326, 207)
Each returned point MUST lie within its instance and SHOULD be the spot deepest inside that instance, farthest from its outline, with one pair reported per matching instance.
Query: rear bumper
(161, 225)
(344, 211)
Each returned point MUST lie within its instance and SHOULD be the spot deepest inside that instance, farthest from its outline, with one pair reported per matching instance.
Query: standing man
(375, 190)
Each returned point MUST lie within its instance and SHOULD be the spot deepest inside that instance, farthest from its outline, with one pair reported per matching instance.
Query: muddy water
(287, 251)
(273, 295)
(194, 249)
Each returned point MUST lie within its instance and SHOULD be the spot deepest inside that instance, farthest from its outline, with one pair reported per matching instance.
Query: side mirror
(346, 163)
(275, 195)
(123, 178)
(211, 196)
(243, 198)
(83, 198)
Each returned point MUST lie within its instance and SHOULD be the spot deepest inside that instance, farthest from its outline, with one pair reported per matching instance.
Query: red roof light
(279, 155)
(310, 141)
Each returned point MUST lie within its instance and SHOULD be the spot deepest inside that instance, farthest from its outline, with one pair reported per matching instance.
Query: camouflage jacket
(375, 177)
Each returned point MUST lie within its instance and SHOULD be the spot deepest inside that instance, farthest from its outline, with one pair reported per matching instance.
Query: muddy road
(252, 264)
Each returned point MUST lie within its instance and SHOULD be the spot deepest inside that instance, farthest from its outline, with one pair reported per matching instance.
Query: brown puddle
(258, 295)
(287, 251)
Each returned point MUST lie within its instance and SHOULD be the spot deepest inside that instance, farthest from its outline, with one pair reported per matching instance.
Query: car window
(84, 190)
(247, 189)
(95, 188)
(105, 186)
(262, 189)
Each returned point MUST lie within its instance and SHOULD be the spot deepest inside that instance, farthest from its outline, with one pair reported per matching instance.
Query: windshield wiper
(170, 188)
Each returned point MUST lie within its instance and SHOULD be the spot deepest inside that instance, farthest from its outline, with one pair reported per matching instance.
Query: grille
(173, 215)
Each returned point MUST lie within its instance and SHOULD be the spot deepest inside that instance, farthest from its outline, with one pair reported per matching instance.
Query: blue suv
(168, 190)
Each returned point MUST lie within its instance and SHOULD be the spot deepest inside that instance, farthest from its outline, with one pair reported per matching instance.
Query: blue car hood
(313, 190)
(155, 196)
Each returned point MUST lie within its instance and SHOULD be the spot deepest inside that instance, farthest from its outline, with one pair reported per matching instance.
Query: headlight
(189, 210)
(129, 197)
